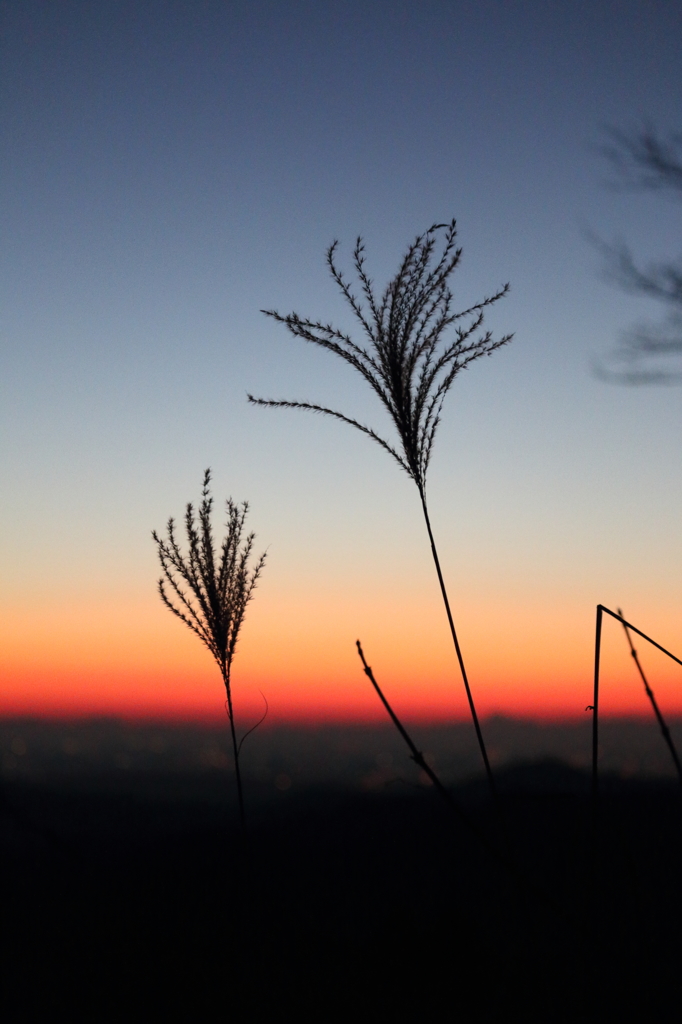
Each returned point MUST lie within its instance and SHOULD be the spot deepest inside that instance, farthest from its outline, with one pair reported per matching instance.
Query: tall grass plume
(407, 361)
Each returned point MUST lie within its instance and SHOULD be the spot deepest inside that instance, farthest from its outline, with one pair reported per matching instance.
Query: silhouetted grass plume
(408, 363)
(221, 584)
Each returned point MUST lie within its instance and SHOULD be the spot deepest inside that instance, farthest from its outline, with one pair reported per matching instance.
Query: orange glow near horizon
(133, 660)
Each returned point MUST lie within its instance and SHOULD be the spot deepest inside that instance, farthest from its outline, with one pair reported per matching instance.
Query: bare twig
(419, 759)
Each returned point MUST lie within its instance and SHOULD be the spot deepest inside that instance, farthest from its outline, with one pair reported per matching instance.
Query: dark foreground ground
(137, 902)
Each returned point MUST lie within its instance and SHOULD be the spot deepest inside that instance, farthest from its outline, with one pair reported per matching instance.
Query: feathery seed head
(403, 357)
(208, 588)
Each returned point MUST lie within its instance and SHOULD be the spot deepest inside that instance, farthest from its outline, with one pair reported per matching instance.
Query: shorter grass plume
(211, 588)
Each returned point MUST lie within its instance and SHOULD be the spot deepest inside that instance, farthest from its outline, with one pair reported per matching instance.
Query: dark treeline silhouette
(288, 758)
(127, 903)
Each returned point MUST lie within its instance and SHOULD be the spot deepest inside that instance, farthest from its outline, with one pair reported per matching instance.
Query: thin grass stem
(235, 748)
(594, 707)
(417, 756)
(460, 659)
(594, 802)
(503, 859)
(665, 731)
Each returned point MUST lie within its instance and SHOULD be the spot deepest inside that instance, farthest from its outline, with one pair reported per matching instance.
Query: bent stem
(594, 708)
(460, 659)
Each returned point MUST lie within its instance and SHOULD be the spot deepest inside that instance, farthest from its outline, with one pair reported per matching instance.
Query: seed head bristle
(404, 359)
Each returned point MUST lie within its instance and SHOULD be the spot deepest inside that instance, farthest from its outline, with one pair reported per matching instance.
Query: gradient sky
(169, 169)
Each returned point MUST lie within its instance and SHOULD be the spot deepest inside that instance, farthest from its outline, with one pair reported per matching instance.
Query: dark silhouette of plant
(417, 756)
(594, 707)
(407, 362)
(665, 731)
(507, 862)
(645, 162)
(220, 585)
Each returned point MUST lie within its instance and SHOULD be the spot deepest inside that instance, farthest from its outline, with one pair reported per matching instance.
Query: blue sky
(170, 169)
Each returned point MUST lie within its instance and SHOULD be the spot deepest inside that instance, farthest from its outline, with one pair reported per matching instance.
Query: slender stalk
(460, 659)
(665, 731)
(235, 746)
(594, 707)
